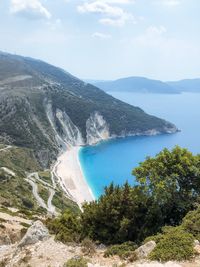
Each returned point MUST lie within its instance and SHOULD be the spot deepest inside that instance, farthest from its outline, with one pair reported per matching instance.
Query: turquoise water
(113, 161)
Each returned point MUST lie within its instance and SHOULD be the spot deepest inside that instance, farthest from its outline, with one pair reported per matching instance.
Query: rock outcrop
(97, 128)
(37, 232)
(144, 250)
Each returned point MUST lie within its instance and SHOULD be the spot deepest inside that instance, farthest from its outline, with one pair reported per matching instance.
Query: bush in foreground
(79, 262)
(67, 227)
(175, 244)
(191, 223)
(125, 251)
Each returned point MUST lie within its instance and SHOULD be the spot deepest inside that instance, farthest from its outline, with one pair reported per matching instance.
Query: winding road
(31, 179)
(5, 148)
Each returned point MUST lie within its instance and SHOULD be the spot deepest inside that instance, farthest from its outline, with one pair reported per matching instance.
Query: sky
(106, 39)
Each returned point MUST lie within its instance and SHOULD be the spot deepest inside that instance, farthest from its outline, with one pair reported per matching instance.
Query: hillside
(20, 175)
(42, 107)
(136, 85)
(187, 85)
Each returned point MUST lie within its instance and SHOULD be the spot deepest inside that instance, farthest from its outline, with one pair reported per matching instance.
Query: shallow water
(113, 161)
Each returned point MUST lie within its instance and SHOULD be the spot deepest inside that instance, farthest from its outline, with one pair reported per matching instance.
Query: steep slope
(137, 85)
(19, 174)
(187, 85)
(44, 108)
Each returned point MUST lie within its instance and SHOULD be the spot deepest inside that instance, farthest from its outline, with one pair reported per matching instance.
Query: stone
(143, 251)
(37, 232)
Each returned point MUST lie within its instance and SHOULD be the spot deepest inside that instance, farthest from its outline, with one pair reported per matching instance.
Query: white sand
(68, 168)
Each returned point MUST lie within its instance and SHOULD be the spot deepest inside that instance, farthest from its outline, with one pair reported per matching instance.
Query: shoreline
(69, 171)
(70, 175)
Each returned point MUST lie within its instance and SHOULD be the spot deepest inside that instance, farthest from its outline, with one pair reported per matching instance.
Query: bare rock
(143, 251)
(37, 232)
(5, 239)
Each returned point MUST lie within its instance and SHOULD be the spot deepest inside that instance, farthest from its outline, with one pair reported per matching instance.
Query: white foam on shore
(70, 171)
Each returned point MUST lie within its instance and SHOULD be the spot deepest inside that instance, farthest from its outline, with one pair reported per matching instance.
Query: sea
(114, 160)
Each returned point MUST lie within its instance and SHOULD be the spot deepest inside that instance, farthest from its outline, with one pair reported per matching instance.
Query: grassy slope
(16, 192)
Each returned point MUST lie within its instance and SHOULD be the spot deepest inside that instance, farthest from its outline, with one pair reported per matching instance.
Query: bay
(114, 160)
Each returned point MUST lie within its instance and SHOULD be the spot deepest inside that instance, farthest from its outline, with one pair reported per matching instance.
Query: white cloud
(112, 14)
(100, 7)
(119, 1)
(29, 8)
(169, 3)
(101, 35)
(153, 36)
(118, 22)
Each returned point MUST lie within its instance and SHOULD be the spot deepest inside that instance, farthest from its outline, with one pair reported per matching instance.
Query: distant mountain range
(187, 85)
(145, 85)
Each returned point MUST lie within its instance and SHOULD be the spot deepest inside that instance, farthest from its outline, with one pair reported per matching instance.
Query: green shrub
(88, 247)
(124, 251)
(67, 227)
(191, 223)
(175, 244)
(157, 238)
(79, 262)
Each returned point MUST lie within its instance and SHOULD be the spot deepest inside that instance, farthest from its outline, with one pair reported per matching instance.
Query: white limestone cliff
(97, 129)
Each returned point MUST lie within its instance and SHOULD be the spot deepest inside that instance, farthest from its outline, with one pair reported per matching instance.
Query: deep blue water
(114, 160)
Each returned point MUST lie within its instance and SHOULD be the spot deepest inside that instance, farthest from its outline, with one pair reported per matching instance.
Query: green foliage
(79, 262)
(175, 244)
(67, 227)
(172, 179)
(191, 223)
(118, 216)
(43, 192)
(46, 176)
(61, 202)
(168, 187)
(155, 238)
(16, 192)
(125, 251)
(19, 160)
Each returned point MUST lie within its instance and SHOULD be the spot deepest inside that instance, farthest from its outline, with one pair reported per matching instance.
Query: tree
(168, 187)
(172, 179)
(117, 216)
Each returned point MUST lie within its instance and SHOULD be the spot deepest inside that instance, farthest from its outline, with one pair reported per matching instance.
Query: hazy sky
(106, 39)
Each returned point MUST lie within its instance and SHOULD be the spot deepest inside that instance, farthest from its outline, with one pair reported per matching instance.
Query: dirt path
(36, 195)
(5, 148)
(31, 179)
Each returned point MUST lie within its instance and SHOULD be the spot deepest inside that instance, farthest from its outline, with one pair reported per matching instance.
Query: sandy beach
(68, 169)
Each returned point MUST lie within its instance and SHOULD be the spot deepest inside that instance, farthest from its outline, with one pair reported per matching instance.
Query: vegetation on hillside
(15, 191)
(172, 180)
(173, 244)
(24, 104)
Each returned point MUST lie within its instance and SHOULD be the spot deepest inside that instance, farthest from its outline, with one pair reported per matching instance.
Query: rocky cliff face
(97, 128)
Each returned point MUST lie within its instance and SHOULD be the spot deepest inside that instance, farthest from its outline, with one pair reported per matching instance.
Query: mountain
(136, 85)
(43, 108)
(187, 85)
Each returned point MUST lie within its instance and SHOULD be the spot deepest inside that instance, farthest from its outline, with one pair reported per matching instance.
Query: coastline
(68, 170)
(69, 173)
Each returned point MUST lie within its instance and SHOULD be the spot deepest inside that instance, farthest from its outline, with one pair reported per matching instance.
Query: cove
(113, 160)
